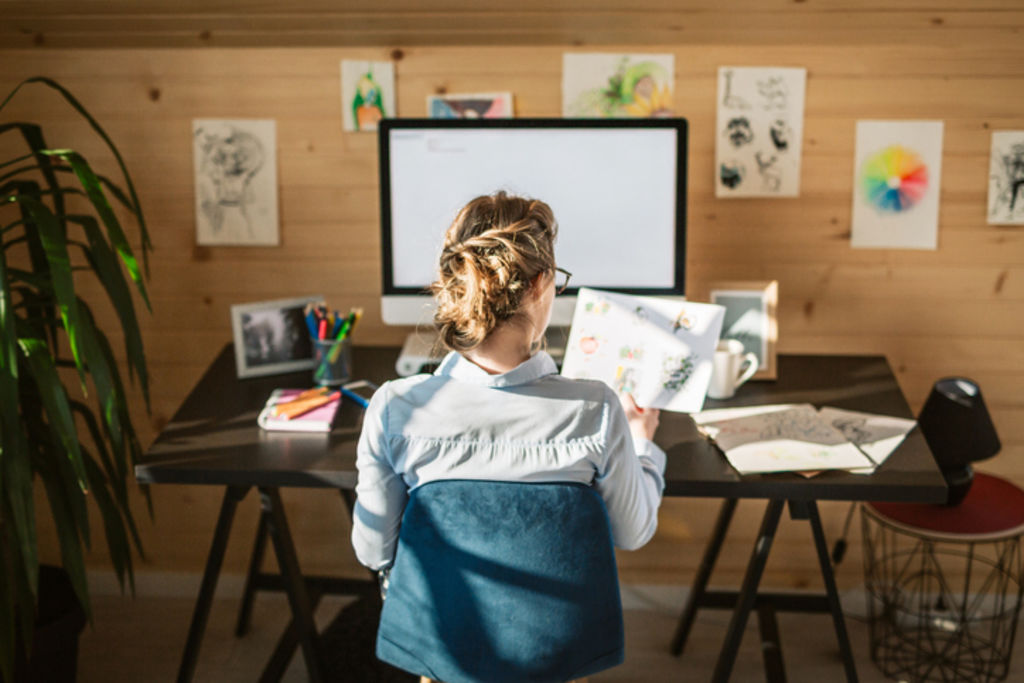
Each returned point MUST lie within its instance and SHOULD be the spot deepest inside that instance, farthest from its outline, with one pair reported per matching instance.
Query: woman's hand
(643, 422)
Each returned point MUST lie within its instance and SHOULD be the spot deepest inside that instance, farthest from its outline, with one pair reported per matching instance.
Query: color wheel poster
(896, 184)
(657, 349)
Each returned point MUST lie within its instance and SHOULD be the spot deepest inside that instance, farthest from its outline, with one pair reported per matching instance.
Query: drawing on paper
(616, 85)
(896, 184)
(760, 127)
(367, 94)
(470, 106)
(657, 349)
(235, 166)
(1006, 178)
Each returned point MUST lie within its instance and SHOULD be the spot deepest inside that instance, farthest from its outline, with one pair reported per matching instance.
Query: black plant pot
(60, 620)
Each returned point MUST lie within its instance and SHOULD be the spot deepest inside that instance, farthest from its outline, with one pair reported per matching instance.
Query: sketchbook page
(795, 439)
(876, 435)
(657, 349)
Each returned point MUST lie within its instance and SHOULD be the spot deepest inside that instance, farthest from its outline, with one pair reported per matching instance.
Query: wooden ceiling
(301, 23)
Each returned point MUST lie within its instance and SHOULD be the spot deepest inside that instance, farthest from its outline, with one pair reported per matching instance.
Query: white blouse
(529, 424)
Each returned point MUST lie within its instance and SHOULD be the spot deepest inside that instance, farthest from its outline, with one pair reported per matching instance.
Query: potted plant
(64, 418)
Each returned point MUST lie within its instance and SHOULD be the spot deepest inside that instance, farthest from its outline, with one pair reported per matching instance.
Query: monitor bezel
(679, 124)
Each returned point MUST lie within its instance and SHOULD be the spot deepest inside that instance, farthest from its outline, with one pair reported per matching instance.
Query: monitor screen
(617, 188)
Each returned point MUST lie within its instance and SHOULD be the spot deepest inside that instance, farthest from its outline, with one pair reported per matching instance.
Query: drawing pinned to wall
(598, 85)
(471, 106)
(1006, 178)
(897, 169)
(367, 93)
(235, 165)
(637, 344)
(760, 125)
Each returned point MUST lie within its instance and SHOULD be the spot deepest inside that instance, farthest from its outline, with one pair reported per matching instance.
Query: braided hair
(492, 251)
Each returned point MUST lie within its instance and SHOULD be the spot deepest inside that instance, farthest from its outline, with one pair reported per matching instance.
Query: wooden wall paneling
(956, 310)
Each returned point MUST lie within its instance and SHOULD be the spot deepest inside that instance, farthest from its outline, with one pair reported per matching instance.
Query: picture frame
(750, 317)
(271, 337)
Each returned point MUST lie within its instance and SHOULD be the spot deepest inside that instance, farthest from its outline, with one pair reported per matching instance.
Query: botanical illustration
(617, 85)
(367, 94)
(235, 165)
(760, 131)
(1006, 178)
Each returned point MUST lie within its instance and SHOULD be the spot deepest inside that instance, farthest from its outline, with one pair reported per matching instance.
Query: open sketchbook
(800, 438)
(657, 349)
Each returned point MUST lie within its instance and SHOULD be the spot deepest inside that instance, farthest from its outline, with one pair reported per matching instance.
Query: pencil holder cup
(332, 361)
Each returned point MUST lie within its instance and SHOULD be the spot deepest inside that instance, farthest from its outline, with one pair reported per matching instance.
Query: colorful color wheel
(894, 179)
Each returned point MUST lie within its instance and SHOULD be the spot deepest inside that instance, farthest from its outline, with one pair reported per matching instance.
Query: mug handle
(752, 365)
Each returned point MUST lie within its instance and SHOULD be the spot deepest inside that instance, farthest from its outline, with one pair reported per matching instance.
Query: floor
(141, 640)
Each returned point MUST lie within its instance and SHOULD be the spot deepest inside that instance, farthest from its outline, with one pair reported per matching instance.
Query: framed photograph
(271, 337)
(750, 318)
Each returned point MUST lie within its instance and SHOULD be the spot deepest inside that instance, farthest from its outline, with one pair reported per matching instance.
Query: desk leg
(298, 597)
(259, 548)
(748, 592)
(700, 583)
(232, 495)
(831, 592)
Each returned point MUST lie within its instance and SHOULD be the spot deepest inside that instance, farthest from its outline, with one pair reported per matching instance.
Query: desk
(213, 439)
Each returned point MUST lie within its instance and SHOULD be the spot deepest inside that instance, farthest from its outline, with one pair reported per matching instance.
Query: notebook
(318, 419)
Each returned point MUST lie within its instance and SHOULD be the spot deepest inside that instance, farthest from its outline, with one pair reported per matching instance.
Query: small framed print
(271, 337)
(750, 319)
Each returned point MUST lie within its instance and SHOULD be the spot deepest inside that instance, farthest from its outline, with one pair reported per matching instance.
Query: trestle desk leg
(700, 582)
(232, 495)
(255, 563)
(830, 590)
(748, 591)
(298, 597)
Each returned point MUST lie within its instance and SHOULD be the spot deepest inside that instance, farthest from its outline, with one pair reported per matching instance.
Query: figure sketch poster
(599, 85)
(898, 166)
(657, 349)
(760, 131)
(235, 164)
(1006, 178)
(367, 94)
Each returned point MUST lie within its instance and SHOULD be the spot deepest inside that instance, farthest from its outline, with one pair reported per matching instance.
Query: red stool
(945, 583)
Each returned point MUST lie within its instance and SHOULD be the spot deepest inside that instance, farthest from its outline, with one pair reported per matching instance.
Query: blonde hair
(492, 251)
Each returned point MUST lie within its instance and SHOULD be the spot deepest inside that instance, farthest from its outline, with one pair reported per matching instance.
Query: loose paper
(235, 164)
(760, 131)
(1006, 178)
(784, 438)
(657, 349)
(598, 85)
(877, 436)
(896, 184)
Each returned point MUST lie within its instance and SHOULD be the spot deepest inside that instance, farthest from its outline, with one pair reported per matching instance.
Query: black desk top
(214, 438)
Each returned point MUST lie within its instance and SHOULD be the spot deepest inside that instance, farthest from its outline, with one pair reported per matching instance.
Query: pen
(294, 409)
(355, 397)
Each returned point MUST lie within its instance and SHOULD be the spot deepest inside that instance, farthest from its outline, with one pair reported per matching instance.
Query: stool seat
(993, 508)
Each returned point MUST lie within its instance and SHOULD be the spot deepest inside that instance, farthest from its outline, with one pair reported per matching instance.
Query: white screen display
(612, 190)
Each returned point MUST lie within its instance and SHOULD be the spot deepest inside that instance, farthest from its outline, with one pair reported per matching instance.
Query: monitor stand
(422, 350)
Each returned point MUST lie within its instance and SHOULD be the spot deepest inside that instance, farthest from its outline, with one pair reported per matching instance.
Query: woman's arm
(381, 493)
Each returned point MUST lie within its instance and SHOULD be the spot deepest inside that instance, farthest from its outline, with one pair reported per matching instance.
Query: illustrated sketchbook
(657, 349)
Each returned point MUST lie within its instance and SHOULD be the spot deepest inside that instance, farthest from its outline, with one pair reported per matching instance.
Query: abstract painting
(898, 166)
(655, 348)
(760, 131)
(496, 105)
(1006, 178)
(235, 163)
(367, 94)
(599, 85)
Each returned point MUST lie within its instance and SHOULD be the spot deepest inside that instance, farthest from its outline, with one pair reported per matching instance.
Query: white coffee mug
(730, 368)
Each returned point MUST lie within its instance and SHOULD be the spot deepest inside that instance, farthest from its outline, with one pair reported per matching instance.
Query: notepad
(319, 419)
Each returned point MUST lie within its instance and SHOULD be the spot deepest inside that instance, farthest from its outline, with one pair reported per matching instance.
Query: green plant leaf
(144, 233)
(67, 530)
(37, 254)
(91, 185)
(117, 540)
(33, 135)
(56, 250)
(54, 398)
(104, 262)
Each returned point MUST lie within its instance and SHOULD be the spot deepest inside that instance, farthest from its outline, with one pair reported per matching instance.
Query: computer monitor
(617, 188)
